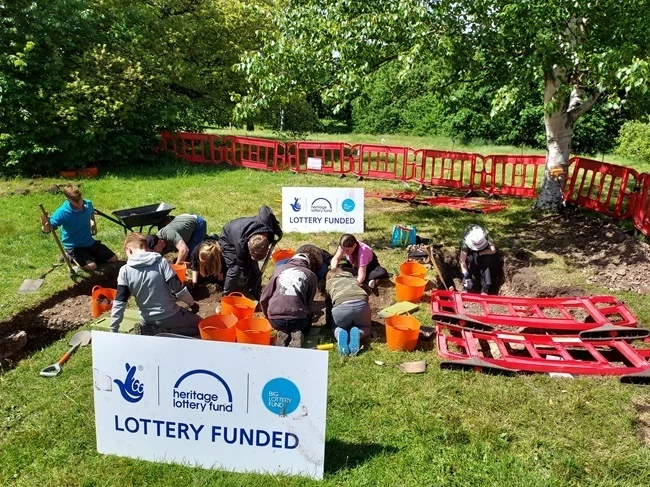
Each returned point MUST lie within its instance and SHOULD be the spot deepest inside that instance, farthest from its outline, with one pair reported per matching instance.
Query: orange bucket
(219, 327)
(402, 332)
(237, 304)
(408, 288)
(101, 300)
(282, 254)
(254, 330)
(180, 270)
(413, 269)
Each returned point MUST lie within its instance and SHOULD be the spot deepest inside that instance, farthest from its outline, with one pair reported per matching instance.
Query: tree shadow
(340, 455)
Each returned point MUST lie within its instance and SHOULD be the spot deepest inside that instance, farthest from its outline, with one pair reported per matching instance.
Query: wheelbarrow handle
(114, 220)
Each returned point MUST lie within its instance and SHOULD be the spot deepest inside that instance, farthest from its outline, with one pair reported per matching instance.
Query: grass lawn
(383, 427)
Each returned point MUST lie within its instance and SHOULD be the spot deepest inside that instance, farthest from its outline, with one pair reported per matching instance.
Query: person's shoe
(342, 343)
(355, 340)
(281, 339)
(296, 339)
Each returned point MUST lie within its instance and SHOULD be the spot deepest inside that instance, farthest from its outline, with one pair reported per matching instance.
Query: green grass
(383, 427)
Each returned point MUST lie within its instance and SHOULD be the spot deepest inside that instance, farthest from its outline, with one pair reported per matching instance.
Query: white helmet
(476, 239)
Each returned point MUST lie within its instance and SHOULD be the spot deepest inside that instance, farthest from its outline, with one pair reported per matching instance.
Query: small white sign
(311, 210)
(314, 163)
(244, 408)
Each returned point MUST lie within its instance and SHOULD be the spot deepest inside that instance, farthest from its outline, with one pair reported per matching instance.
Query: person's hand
(467, 283)
(194, 308)
(466, 275)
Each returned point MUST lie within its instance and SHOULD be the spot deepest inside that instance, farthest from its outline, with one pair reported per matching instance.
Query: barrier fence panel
(605, 188)
(320, 157)
(193, 147)
(257, 153)
(380, 161)
(641, 212)
(515, 175)
(445, 168)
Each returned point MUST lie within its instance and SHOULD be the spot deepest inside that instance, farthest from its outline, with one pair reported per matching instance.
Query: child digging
(348, 309)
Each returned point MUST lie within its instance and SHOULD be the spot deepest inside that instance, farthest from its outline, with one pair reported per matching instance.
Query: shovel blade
(30, 286)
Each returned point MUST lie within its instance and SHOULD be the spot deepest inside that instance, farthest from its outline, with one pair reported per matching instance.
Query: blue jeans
(349, 314)
(198, 234)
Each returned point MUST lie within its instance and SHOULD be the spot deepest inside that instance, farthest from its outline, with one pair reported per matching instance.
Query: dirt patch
(643, 410)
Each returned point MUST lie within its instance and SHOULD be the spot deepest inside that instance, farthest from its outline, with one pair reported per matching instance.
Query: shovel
(79, 339)
(416, 367)
(32, 285)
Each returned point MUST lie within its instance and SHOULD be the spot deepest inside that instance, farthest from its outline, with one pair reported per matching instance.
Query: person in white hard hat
(476, 258)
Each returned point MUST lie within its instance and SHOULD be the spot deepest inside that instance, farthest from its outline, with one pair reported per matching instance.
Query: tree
(581, 51)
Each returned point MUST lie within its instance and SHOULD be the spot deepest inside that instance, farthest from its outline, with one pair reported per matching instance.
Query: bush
(634, 140)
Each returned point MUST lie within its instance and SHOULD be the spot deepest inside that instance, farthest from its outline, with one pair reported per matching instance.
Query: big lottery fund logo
(348, 205)
(132, 389)
(202, 390)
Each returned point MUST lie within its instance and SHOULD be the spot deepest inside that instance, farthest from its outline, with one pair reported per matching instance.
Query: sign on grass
(310, 210)
(245, 408)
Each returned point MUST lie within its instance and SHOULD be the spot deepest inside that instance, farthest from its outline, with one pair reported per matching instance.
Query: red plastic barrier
(380, 161)
(320, 157)
(641, 211)
(602, 187)
(460, 170)
(257, 153)
(514, 175)
(197, 148)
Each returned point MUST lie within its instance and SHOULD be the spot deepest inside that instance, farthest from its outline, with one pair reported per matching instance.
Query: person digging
(477, 259)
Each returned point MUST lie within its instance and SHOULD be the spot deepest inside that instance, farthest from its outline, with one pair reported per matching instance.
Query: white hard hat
(476, 240)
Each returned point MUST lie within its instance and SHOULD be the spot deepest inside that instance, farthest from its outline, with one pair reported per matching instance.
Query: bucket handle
(96, 287)
(236, 294)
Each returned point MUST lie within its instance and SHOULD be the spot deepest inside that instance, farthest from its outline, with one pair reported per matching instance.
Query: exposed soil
(599, 249)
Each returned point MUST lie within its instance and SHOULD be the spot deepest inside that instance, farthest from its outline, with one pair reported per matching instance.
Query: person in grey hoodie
(150, 279)
(287, 300)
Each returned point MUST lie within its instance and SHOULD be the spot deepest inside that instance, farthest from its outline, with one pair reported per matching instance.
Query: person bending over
(206, 261)
(76, 217)
(348, 309)
(150, 279)
(287, 300)
(244, 242)
(185, 231)
(360, 261)
(477, 258)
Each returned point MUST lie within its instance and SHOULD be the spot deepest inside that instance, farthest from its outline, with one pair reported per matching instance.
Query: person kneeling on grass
(287, 300)
(360, 261)
(348, 310)
(150, 279)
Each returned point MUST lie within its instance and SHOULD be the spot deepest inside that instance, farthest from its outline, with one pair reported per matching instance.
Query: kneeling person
(477, 258)
(287, 300)
(150, 279)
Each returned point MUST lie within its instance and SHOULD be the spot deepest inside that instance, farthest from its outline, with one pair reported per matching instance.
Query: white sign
(311, 210)
(244, 408)
(314, 163)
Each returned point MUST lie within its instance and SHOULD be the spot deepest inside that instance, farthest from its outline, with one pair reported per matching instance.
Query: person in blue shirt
(76, 217)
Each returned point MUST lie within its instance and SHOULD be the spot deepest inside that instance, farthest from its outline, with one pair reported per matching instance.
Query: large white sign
(310, 210)
(217, 405)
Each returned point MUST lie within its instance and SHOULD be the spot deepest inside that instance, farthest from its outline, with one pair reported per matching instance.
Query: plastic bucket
(219, 327)
(408, 288)
(413, 269)
(402, 332)
(180, 270)
(254, 330)
(237, 304)
(282, 254)
(101, 300)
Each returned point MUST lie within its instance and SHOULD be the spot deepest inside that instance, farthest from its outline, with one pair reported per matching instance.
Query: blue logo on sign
(348, 205)
(321, 205)
(132, 389)
(200, 393)
(281, 396)
(295, 206)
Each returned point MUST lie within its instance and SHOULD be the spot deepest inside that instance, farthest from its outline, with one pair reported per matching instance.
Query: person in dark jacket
(288, 298)
(244, 242)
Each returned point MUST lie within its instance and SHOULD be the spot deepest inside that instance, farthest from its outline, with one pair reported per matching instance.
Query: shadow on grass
(340, 455)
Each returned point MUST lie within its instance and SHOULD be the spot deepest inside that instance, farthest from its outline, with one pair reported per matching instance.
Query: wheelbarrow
(142, 216)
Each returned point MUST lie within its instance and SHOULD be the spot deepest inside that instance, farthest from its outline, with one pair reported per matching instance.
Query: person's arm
(93, 225)
(463, 263)
(361, 274)
(488, 251)
(335, 260)
(119, 305)
(45, 223)
(183, 250)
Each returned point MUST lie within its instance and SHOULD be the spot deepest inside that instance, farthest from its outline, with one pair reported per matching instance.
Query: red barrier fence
(616, 191)
(605, 188)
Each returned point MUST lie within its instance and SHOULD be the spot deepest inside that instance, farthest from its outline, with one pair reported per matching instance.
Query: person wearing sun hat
(476, 258)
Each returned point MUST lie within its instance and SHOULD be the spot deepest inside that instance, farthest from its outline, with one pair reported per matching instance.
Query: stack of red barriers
(582, 335)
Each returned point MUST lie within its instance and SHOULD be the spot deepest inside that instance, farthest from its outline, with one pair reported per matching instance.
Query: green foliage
(95, 80)
(634, 141)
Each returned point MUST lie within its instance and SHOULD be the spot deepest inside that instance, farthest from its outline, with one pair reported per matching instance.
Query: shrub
(634, 140)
